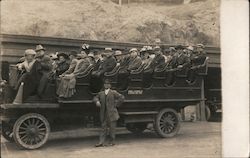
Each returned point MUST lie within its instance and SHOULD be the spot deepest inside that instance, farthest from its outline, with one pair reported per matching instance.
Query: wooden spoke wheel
(167, 123)
(31, 131)
(136, 128)
(7, 131)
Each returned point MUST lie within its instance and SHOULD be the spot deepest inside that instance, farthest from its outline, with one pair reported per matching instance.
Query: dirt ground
(195, 140)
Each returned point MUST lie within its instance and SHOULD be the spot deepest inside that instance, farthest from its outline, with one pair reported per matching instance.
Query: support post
(202, 103)
(120, 2)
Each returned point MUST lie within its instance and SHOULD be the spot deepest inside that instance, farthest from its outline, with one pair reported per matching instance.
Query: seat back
(160, 73)
(202, 70)
(113, 75)
(182, 72)
(113, 72)
(137, 75)
(13, 75)
(85, 76)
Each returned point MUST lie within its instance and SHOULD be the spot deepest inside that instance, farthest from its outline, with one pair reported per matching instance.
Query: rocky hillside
(104, 20)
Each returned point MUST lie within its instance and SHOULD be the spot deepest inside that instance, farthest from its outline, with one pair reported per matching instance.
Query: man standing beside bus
(108, 101)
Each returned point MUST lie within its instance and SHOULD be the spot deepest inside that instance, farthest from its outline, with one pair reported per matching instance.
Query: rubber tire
(158, 131)
(4, 128)
(17, 124)
(136, 128)
(207, 113)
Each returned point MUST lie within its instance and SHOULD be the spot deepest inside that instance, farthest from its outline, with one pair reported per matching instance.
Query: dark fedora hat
(39, 47)
(63, 55)
(179, 47)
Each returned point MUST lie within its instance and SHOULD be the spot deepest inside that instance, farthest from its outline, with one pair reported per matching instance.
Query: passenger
(95, 86)
(168, 56)
(91, 57)
(62, 64)
(98, 59)
(108, 63)
(118, 57)
(124, 59)
(67, 84)
(157, 63)
(32, 76)
(173, 53)
(146, 52)
(197, 60)
(25, 66)
(54, 59)
(46, 64)
(132, 61)
(190, 50)
(73, 61)
(182, 59)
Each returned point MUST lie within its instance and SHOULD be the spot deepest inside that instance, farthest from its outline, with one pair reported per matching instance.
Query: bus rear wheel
(167, 123)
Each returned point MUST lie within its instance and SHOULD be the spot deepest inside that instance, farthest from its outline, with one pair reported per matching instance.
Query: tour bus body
(29, 123)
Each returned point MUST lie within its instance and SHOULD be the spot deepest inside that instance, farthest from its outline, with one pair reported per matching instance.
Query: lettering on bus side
(135, 92)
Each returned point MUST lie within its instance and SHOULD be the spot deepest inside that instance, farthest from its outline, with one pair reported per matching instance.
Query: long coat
(134, 63)
(31, 80)
(61, 68)
(198, 59)
(113, 100)
(158, 62)
(107, 65)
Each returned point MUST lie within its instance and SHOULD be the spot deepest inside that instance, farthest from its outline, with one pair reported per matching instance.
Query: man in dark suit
(182, 60)
(108, 101)
(47, 67)
(108, 64)
(158, 62)
(132, 62)
(198, 58)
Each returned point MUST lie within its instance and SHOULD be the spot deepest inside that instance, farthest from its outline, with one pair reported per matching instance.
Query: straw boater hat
(133, 50)
(29, 52)
(200, 45)
(118, 53)
(107, 52)
(91, 54)
(190, 48)
(179, 47)
(39, 47)
(157, 48)
(172, 49)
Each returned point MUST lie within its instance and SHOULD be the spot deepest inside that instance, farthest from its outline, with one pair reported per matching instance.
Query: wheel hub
(32, 131)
